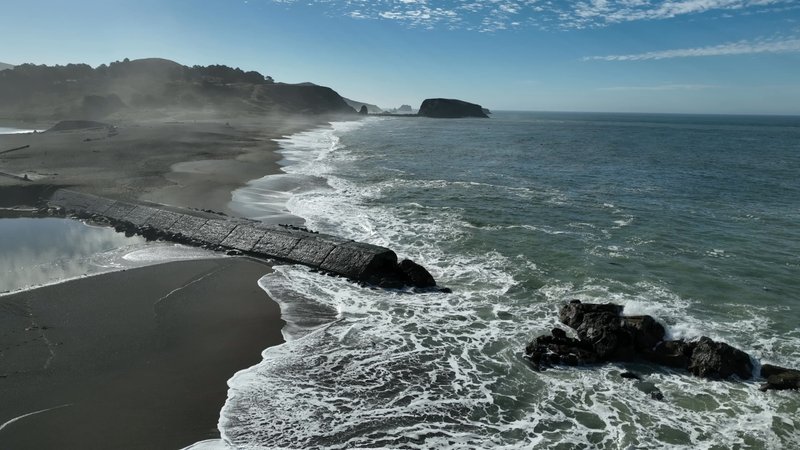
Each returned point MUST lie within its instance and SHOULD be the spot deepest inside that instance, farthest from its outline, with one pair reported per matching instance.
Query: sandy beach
(135, 359)
(139, 358)
(182, 162)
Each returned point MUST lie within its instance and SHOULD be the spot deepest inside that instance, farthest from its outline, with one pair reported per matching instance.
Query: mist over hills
(131, 87)
(372, 109)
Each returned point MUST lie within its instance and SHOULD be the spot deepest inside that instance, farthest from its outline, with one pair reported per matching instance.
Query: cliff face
(303, 99)
(78, 91)
(450, 109)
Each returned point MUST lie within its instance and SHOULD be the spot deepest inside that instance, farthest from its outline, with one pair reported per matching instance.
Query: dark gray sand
(187, 163)
(130, 360)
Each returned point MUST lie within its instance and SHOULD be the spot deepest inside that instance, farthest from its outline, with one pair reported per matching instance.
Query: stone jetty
(370, 264)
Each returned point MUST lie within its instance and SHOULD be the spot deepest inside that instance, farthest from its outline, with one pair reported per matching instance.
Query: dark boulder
(416, 275)
(719, 360)
(779, 378)
(364, 110)
(613, 336)
(609, 339)
(605, 335)
(398, 276)
(558, 333)
(444, 108)
(572, 313)
(675, 354)
(546, 351)
(646, 331)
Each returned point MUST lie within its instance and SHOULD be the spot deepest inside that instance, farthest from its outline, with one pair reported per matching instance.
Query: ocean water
(42, 251)
(692, 219)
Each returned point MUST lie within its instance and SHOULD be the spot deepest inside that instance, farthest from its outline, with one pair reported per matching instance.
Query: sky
(678, 56)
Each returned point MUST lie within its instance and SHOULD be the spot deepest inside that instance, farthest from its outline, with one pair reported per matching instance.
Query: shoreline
(141, 356)
(168, 389)
(190, 163)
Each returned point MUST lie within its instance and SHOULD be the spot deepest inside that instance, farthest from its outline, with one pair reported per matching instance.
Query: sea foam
(377, 368)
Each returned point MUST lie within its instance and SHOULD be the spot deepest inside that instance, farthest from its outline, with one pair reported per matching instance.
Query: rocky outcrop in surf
(605, 335)
(445, 108)
(779, 378)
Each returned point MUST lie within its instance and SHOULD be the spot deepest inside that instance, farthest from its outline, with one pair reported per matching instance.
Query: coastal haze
(282, 224)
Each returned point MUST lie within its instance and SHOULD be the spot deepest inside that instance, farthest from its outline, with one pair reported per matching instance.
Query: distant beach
(192, 163)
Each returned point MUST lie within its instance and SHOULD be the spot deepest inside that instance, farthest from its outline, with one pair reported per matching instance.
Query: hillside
(372, 109)
(4, 66)
(144, 86)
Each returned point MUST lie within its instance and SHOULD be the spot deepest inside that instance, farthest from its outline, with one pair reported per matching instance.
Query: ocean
(692, 219)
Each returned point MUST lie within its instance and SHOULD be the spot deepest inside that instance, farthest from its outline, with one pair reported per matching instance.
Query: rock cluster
(605, 335)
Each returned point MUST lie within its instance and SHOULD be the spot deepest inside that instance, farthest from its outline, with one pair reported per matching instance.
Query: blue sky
(695, 56)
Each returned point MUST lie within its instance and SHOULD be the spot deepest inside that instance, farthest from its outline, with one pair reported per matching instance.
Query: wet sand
(187, 163)
(130, 360)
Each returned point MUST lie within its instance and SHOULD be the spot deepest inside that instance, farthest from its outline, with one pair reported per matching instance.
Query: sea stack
(444, 108)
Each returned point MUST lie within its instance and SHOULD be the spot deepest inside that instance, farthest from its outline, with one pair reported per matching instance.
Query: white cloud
(493, 15)
(744, 47)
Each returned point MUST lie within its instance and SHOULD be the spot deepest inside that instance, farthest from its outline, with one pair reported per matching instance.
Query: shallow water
(692, 219)
(8, 130)
(37, 252)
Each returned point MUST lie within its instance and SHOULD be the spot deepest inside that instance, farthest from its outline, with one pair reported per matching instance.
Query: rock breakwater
(362, 262)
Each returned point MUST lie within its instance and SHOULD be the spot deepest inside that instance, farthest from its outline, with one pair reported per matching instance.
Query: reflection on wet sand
(37, 252)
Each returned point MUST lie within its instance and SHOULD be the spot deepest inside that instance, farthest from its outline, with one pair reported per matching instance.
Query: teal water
(693, 219)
